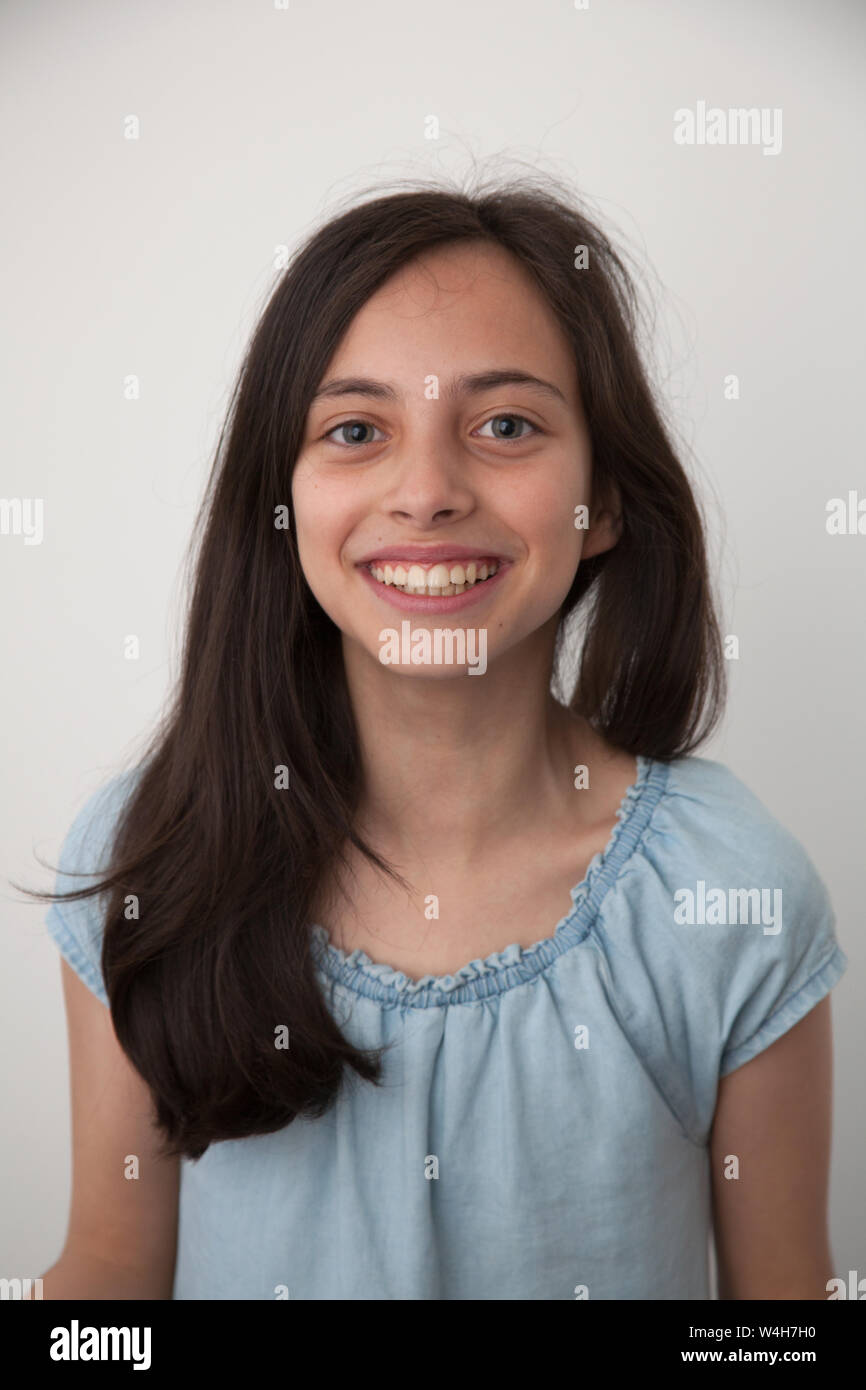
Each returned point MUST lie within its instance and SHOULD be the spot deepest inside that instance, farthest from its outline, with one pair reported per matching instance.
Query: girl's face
(427, 463)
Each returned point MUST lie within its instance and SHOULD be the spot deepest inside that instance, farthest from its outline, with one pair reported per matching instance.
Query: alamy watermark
(731, 907)
(20, 1288)
(846, 518)
(739, 125)
(855, 1287)
(438, 646)
(22, 516)
(77, 1343)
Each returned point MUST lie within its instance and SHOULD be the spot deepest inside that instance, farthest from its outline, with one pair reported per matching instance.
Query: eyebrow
(468, 383)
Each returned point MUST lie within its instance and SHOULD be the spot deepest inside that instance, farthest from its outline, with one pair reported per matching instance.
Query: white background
(155, 257)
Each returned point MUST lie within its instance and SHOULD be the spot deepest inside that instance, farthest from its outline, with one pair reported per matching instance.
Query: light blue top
(542, 1129)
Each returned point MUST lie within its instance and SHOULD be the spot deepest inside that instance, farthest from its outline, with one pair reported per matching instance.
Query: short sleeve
(788, 975)
(76, 925)
(719, 937)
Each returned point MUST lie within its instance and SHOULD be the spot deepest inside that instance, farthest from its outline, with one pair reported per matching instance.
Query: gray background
(155, 257)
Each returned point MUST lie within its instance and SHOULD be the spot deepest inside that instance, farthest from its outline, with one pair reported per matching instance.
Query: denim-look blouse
(541, 1131)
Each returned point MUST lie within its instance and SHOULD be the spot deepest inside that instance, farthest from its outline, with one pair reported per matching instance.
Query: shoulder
(717, 934)
(707, 818)
(699, 790)
(76, 924)
(88, 840)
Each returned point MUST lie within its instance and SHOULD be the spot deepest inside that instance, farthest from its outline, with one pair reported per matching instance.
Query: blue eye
(350, 424)
(508, 438)
(360, 425)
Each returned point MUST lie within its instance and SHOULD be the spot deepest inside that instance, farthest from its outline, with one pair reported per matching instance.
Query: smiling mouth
(434, 581)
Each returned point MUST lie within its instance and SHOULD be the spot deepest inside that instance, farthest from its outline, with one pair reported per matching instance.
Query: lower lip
(420, 603)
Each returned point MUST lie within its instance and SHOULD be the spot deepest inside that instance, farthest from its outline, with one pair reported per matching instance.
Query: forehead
(468, 304)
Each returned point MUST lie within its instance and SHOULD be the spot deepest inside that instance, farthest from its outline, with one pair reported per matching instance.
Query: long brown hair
(224, 860)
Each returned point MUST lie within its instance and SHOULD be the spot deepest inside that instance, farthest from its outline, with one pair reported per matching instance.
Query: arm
(775, 1113)
(122, 1234)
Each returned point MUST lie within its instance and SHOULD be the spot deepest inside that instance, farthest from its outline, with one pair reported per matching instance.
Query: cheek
(544, 516)
(317, 521)
(558, 510)
(326, 513)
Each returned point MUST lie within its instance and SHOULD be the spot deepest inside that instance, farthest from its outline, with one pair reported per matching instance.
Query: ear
(605, 526)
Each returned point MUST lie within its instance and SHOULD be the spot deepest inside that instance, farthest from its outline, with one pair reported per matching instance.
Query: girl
(415, 967)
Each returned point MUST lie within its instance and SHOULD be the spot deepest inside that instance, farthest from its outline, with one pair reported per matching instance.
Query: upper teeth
(439, 580)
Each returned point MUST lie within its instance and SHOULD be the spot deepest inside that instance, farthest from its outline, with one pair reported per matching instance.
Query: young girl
(406, 965)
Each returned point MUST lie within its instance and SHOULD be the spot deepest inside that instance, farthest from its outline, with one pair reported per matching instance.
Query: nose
(430, 484)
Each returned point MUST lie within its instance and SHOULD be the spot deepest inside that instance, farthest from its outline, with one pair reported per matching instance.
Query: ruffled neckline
(515, 963)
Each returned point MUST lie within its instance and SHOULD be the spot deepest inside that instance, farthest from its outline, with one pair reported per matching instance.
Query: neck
(460, 762)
